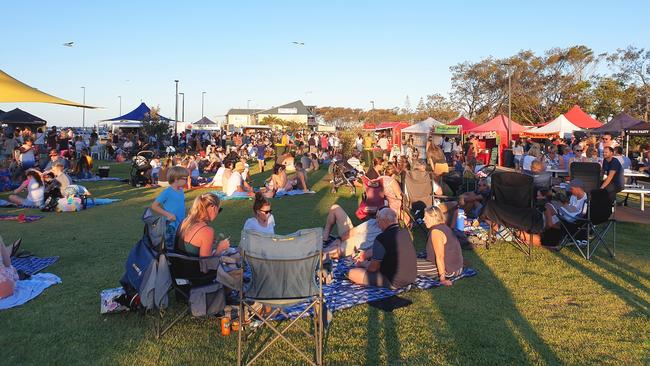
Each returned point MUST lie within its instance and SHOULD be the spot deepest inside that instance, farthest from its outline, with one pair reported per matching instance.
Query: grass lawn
(552, 308)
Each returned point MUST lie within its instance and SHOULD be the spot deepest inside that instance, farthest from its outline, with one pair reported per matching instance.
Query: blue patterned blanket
(33, 265)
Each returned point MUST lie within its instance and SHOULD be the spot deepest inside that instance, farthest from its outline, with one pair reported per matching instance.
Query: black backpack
(51, 195)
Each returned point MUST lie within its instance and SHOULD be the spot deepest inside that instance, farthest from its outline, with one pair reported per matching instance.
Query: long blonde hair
(199, 211)
(436, 213)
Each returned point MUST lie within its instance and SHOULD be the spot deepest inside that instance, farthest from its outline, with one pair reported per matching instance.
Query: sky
(241, 52)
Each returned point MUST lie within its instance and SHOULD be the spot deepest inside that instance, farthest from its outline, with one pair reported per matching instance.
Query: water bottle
(460, 220)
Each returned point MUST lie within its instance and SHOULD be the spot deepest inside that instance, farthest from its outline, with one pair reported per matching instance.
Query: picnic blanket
(223, 197)
(483, 228)
(343, 294)
(294, 192)
(29, 289)
(21, 218)
(32, 265)
(5, 203)
(101, 202)
(98, 179)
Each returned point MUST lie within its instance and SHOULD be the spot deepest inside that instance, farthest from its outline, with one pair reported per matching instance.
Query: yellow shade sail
(15, 91)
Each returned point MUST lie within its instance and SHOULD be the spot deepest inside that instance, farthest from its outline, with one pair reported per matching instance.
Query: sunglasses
(268, 212)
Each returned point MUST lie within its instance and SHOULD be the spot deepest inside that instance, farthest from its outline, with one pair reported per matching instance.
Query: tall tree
(632, 67)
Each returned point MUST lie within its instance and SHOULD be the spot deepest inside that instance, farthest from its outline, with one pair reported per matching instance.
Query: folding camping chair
(589, 173)
(190, 275)
(588, 231)
(285, 270)
(373, 198)
(512, 206)
(418, 195)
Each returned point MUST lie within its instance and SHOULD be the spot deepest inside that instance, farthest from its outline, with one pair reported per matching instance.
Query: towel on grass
(343, 294)
(97, 179)
(29, 289)
(223, 197)
(294, 192)
(21, 218)
(100, 201)
(32, 265)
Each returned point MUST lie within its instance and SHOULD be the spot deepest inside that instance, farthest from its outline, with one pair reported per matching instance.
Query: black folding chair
(285, 271)
(589, 173)
(589, 230)
(189, 273)
(512, 207)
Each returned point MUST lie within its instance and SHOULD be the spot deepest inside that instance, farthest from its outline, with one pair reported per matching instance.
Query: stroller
(373, 198)
(140, 174)
(343, 174)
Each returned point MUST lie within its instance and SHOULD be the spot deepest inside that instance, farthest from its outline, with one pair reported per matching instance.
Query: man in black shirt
(613, 170)
(393, 262)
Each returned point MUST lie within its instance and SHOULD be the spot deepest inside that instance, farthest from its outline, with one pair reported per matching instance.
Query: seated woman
(217, 180)
(263, 220)
(393, 192)
(35, 190)
(278, 182)
(84, 167)
(8, 275)
(444, 257)
(195, 236)
(300, 181)
(376, 169)
(305, 160)
(236, 185)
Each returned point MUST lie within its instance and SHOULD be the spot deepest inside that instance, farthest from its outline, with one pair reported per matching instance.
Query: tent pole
(627, 145)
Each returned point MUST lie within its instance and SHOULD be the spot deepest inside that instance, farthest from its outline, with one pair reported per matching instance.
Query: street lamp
(120, 97)
(83, 120)
(202, 104)
(176, 113)
(509, 103)
(248, 104)
(183, 104)
(373, 111)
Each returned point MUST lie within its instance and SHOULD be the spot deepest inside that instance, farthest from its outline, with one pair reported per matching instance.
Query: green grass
(547, 309)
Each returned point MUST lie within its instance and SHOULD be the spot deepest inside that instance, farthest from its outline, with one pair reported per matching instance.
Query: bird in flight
(298, 43)
(68, 44)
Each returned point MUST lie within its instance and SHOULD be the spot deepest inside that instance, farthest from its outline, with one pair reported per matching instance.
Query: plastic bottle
(460, 220)
(225, 326)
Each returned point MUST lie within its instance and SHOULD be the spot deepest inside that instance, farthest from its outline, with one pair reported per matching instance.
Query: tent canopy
(423, 127)
(560, 126)
(640, 129)
(390, 125)
(205, 121)
(15, 91)
(619, 123)
(20, 117)
(464, 123)
(499, 124)
(581, 119)
(138, 114)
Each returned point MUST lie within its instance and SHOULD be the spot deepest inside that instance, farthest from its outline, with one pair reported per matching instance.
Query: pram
(373, 198)
(343, 174)
(141, 168)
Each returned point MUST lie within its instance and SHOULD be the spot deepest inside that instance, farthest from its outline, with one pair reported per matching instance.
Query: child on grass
(171, 201)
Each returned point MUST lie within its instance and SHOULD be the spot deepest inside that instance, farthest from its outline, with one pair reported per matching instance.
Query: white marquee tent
(560, 126)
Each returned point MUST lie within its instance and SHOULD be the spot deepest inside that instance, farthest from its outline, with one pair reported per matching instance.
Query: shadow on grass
(622, 293)
(513, 335)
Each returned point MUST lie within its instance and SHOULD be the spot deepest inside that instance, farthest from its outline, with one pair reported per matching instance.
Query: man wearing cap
(571, 209)
(236, 185)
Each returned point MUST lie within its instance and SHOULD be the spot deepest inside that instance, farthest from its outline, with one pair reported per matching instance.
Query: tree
(632, 67)
(152, 125)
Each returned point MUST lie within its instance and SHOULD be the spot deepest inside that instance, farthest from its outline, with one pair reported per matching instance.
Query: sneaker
(582, 243)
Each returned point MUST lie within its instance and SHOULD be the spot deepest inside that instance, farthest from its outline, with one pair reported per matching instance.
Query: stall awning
(560, 126)
(581, 119)
(640, 129)
(423, 127)
(15, 91)
(138, 114)
(619, 123)
(20, 117)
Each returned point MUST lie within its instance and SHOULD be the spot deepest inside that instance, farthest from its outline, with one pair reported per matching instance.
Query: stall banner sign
(446, 130)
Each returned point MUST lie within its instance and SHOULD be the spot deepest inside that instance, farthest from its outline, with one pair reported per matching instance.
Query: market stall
(17, 118)
(419, 132)
(559, 127)
(464, 124)
(640, 129)
(618, 124)
(581, 119)
(494, 134)
(392, 130)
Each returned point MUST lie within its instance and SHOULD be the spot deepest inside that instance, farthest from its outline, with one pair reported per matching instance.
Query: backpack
(51, 195)
(146, 280)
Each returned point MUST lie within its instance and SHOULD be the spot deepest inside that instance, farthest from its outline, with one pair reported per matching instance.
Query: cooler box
(103, 171)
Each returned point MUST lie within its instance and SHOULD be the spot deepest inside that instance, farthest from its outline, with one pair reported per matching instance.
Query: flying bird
(298, 43)
(68, 44)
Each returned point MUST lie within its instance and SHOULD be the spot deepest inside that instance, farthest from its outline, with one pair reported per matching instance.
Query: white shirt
(383, 143)
(35, 193)
(253, 224)
(358, 142)
(218, 177)
(233, 183)
(576, 206)
(446, 146)
(528, 159)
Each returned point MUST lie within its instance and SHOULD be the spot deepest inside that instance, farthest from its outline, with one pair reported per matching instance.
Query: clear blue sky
(355, 51)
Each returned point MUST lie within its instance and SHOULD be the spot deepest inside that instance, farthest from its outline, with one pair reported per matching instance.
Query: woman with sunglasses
(263, 221)
(196, 237)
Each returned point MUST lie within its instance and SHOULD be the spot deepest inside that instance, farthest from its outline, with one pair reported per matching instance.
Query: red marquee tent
(497, 126)
(464, 124)
(581, 119)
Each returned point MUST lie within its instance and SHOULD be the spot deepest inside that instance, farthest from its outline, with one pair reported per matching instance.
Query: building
(294, 112)
(241, 117)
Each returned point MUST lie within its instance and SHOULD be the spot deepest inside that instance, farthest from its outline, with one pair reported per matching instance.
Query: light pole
(509, 103)
(120, 97)
(176, 113)
(83, 118)
(373, 111)
(248, 104)
(183, 105)
(202, 104)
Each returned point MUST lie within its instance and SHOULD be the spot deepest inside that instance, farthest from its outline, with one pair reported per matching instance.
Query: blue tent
(137, 114)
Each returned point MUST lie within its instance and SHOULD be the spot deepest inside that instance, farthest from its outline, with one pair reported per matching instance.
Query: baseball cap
(577, 183)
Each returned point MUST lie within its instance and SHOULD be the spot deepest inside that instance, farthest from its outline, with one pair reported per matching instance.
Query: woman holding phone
(196, 237)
